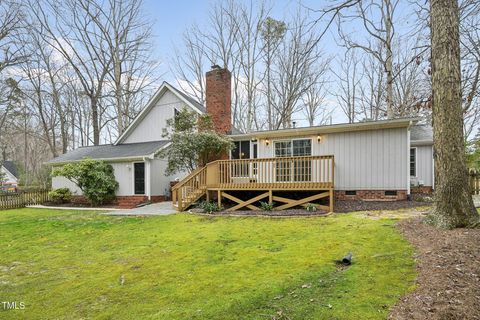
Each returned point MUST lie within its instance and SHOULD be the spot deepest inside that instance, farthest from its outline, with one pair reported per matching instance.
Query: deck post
(270, 196)
(219, 196)
(331, 199)
(208, 195)
(180, 200)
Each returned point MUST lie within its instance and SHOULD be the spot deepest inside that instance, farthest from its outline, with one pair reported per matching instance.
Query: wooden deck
(271, 175)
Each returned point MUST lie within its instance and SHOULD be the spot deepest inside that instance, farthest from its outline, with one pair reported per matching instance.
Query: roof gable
(10, 167)
(165, 87)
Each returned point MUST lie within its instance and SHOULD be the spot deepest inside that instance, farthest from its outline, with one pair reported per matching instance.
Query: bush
(95, 178)
(265, 206)
(310, 207)
(209, 206)
(61, 195)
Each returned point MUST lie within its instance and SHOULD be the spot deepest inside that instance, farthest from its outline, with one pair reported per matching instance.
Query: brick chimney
(218, 98)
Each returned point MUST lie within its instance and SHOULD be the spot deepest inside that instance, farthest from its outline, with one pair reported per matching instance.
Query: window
(296, 148)
(297, 169)
(351, 192)
(390, 192)
(413, 162)
(241, 150)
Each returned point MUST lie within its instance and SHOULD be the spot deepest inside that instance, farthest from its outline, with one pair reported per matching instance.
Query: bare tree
(348, 83)
(296, 66)
(453, 201)
(376, 17)
(273, 32)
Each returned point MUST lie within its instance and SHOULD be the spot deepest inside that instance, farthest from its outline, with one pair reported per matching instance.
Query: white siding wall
(9, 178)
(424, 165)
(160, 182)
(151, 127)
(364, 160)
(123, 174)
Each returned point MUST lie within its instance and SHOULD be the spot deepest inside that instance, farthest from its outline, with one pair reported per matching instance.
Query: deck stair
(266, 176)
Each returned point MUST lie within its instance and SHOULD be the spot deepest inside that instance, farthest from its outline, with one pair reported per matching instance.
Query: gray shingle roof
(10, 166)
(421, 133)
(110, 151)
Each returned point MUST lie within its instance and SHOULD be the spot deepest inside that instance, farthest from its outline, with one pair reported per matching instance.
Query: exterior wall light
(267, 142)
(319, 138)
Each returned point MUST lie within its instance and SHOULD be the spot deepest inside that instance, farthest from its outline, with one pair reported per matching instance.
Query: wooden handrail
(185, 180)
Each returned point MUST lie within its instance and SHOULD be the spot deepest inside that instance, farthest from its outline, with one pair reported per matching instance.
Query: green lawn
(71, 265)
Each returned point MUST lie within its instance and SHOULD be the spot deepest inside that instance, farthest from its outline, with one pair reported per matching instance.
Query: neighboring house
(10, 175)
(366, 160)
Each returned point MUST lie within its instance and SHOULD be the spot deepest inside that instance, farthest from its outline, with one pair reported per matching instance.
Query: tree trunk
(453, 205)
(95, 121)
(388, 62)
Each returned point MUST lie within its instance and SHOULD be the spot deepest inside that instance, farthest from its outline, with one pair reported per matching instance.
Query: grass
(72, 265)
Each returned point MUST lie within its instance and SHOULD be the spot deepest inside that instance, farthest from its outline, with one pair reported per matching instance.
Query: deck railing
(288, 173)
(189, 189)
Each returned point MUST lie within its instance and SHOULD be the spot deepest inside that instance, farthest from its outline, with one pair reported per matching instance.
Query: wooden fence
(475, 182)
(22, 199)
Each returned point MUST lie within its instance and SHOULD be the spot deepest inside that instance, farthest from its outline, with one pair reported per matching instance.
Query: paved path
(39, 206)
(154, 209)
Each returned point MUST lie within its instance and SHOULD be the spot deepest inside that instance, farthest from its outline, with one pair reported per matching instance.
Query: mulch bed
(282, 213)
(351, 205)
(448, 284)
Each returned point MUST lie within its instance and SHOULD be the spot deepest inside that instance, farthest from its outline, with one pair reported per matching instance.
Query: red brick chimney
(218, 98)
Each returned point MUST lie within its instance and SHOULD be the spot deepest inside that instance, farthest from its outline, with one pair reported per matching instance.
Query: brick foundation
(123, 202)
(421, 189)
(371, 195)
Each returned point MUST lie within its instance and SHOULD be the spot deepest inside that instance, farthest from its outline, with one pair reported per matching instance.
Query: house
(366, 160)
(10, 176)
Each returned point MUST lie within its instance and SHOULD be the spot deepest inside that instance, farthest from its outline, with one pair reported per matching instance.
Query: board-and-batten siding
(151, 127)
(424, 165)
(364, 160)
(123, 175)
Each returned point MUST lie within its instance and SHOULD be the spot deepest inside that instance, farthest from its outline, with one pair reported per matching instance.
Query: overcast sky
(171, 18)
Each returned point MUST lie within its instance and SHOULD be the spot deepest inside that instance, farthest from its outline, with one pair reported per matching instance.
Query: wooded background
(76, 72)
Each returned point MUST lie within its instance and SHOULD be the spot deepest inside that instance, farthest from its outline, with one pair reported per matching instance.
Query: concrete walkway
(39, 206)
(154, 209)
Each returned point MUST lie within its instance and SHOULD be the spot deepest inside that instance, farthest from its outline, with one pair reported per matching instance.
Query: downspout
(148, 176)
(408, 158)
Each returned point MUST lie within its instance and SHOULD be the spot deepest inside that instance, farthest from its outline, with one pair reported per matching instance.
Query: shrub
(265, 206)
(95, 178)
(310, 207)
(61, 195)
(209, 206)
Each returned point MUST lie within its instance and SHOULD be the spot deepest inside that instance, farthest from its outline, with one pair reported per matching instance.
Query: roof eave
(349, 127)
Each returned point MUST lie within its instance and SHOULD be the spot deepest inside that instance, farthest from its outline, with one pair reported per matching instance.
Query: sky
(171, 18)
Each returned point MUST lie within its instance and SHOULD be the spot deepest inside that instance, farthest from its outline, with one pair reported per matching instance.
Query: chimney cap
(216, 67)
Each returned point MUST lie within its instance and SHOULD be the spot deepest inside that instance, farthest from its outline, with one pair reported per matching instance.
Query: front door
(139, 177)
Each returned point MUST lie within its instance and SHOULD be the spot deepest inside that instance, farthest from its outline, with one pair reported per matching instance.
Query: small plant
(209, 206)
(61, 195)
(265, 206)
(310, 207)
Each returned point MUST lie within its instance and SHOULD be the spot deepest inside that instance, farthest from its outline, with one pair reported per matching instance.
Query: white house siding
(424, 163)
(8, 178)
(160, 182)
(151, 127)
(364, 160)
(123, 174)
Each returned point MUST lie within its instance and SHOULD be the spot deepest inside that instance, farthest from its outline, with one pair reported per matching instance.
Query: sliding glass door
(289, 170)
